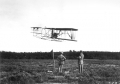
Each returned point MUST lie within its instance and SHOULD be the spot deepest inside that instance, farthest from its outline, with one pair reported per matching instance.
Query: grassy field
(31, 71)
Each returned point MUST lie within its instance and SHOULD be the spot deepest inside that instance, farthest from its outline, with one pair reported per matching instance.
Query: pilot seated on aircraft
(55, 35)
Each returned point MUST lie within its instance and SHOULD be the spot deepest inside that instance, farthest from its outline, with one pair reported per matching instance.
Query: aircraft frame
(54, 34)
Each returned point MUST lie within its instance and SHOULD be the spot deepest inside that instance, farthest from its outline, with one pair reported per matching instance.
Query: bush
(20, 78)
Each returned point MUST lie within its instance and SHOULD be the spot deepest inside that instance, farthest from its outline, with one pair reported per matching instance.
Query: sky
(97, 21)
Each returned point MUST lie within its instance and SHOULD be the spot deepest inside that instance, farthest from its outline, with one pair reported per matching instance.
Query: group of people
(61, 59)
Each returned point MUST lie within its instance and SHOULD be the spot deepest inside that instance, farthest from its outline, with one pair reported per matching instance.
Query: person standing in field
(80, 62)
(61, 59)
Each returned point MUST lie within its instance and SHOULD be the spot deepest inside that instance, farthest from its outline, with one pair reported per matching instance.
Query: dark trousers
(60, 68)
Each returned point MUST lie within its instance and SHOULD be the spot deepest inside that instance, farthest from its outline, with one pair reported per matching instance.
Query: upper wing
(66, 29)
(36, 28)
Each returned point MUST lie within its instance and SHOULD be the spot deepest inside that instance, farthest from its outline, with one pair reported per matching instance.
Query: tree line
(68, 54)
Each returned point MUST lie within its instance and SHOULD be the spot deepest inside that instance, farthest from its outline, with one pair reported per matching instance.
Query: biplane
(55, 34)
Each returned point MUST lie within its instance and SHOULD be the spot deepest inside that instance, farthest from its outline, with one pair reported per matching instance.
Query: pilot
(80, 62)
(61, 59)
(55, 35)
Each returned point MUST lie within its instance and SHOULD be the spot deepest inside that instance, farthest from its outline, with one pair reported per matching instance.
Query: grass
(36, 71)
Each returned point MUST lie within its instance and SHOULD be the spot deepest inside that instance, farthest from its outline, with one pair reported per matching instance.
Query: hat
(61, 52)
(81, 51)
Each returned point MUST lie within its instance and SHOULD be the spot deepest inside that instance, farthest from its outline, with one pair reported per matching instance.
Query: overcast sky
(98, 22)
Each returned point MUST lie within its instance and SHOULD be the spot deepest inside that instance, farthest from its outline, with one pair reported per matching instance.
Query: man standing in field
(80, 62)
(61, 59)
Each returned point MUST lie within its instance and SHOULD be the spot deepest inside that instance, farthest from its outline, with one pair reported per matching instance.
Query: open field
(31, 71)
